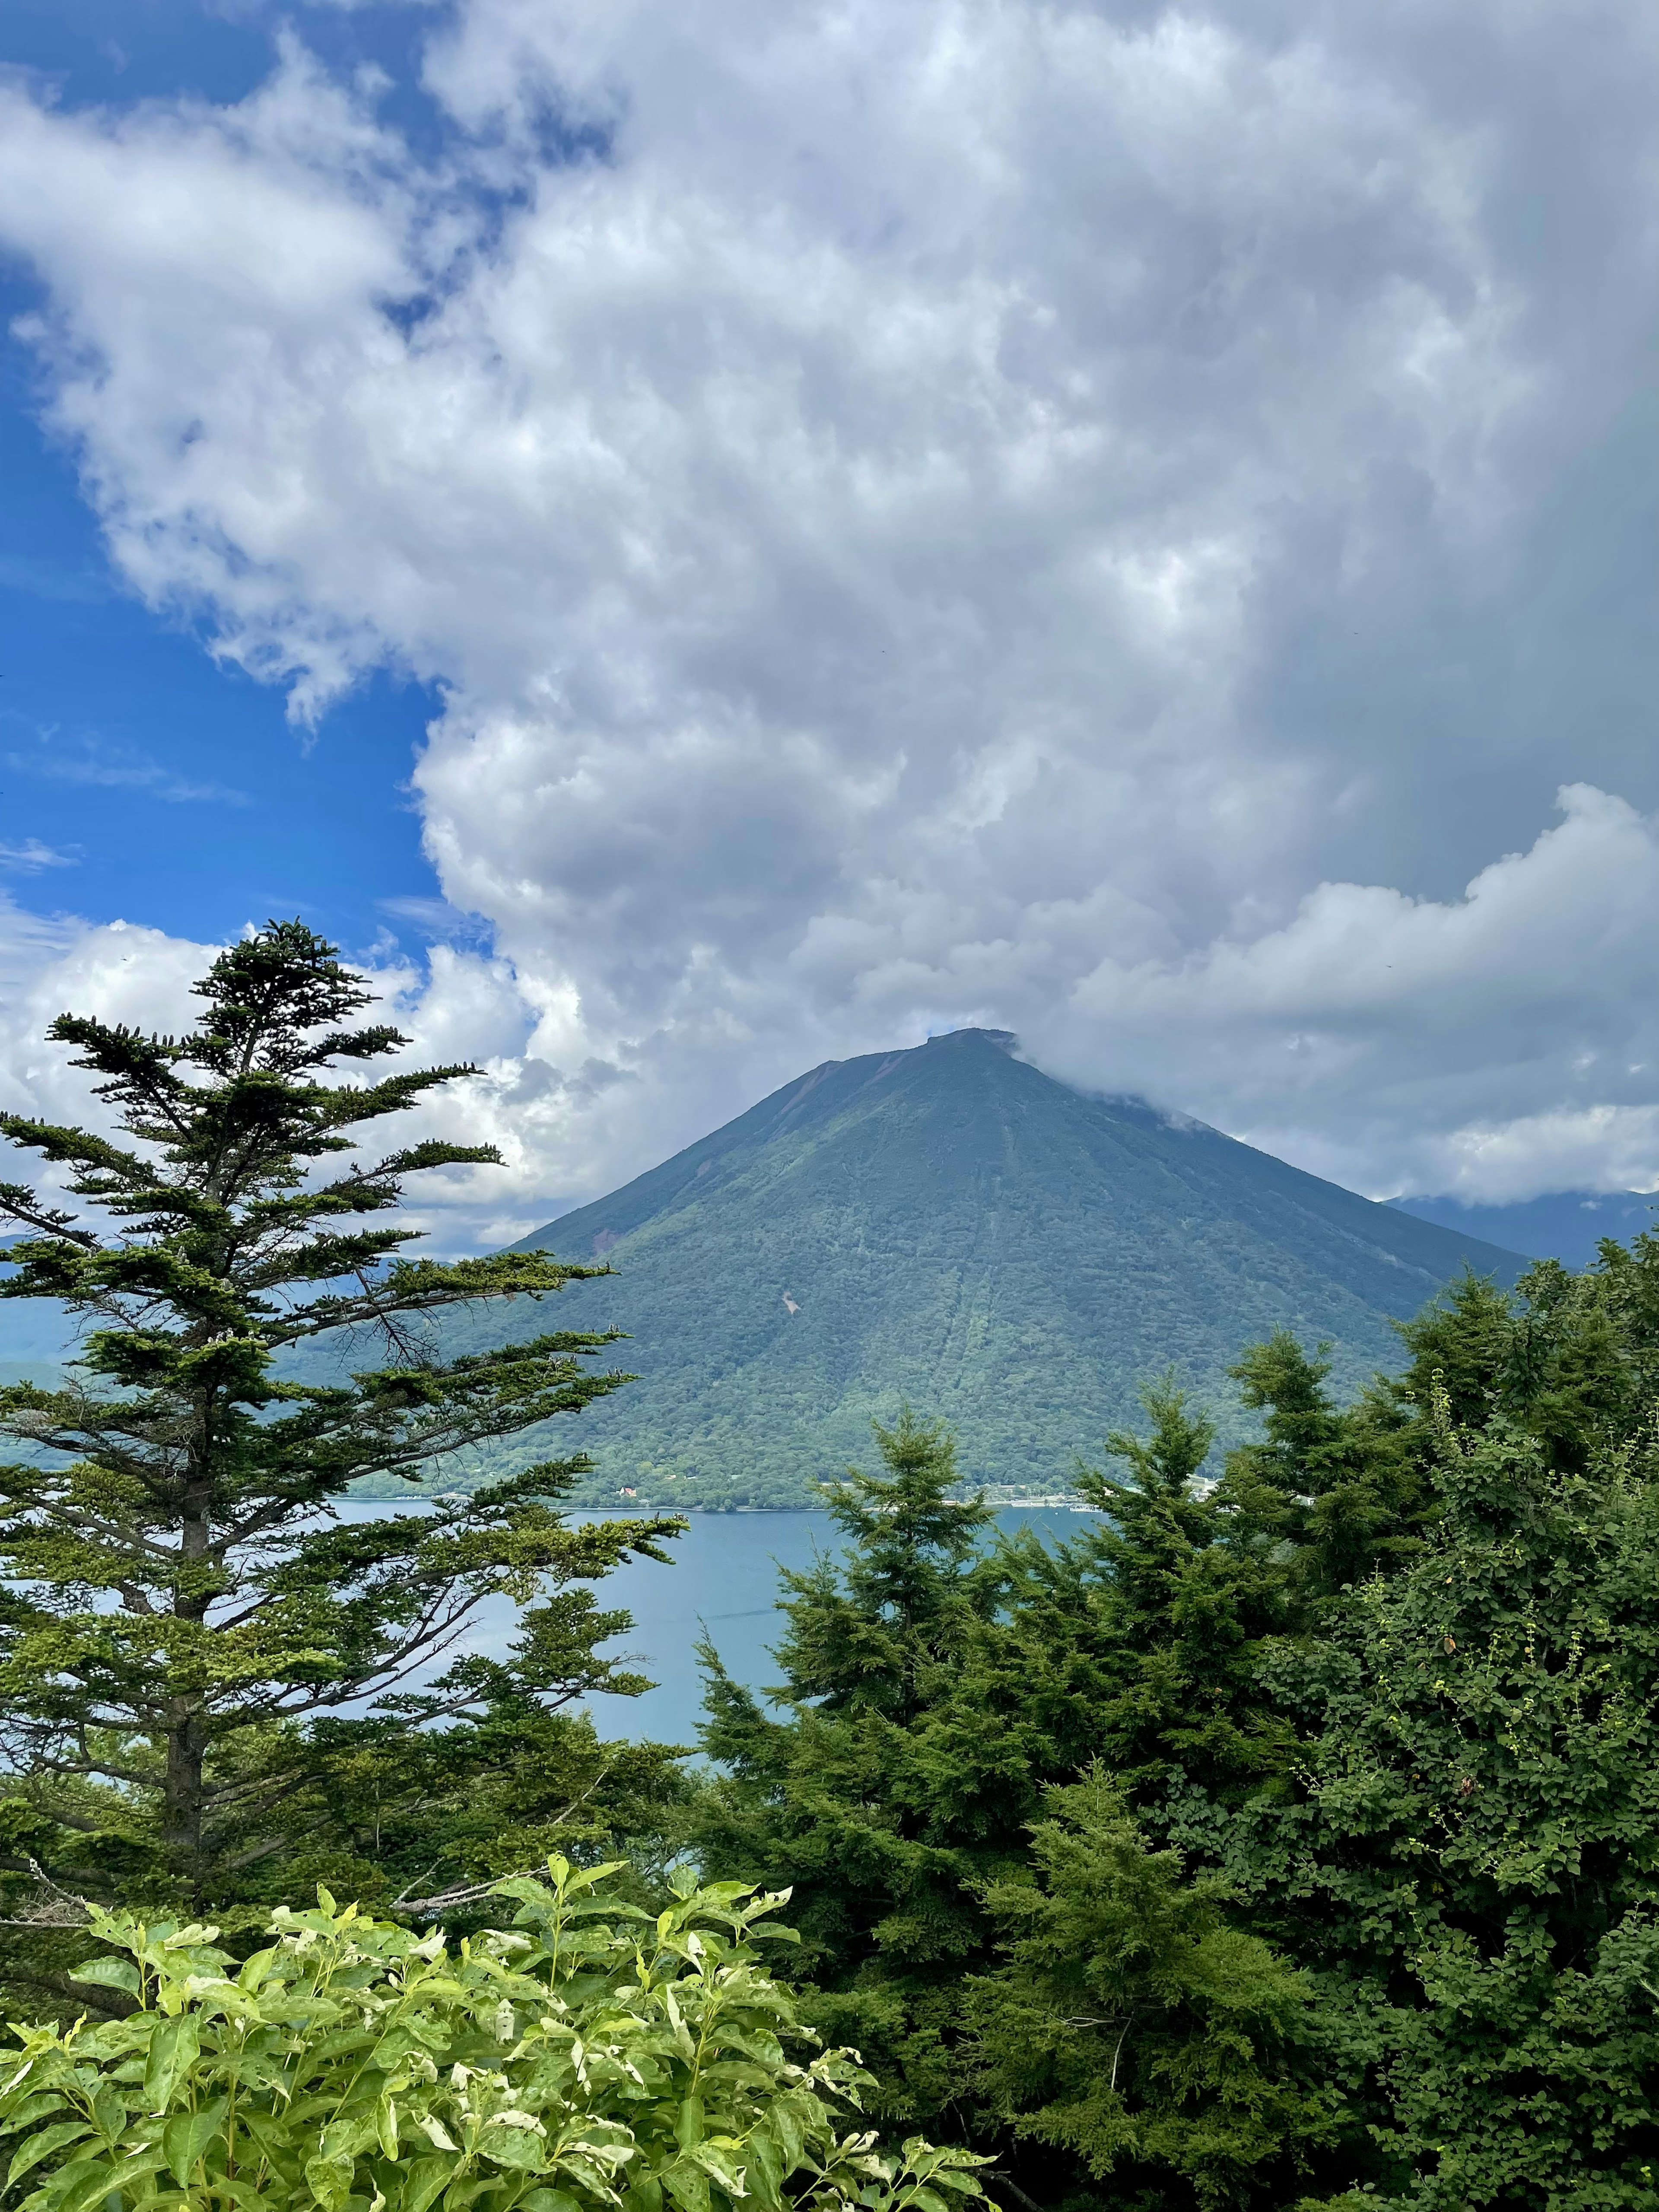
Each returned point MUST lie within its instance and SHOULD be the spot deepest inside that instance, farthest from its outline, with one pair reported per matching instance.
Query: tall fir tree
(1148, 1623)
(936, 1688)
(1136, 2025)
(182, 1603)
(1341, 1488)
(880, 1797)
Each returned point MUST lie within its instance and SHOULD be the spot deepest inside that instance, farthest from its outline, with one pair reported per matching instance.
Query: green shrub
(589, 2056)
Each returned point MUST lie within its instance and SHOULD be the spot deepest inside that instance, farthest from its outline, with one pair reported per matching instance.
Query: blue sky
(764, 532)
(175, 786)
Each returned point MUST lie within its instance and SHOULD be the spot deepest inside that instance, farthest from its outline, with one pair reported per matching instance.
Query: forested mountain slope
(952, 1226)
(946, 1226)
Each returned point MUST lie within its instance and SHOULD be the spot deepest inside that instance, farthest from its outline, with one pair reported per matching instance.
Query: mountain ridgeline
(950, 1226)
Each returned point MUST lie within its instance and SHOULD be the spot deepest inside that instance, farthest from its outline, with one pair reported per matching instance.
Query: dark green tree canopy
(1468, 1864)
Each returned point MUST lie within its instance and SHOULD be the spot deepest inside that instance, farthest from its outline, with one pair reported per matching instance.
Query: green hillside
(955, 1228)
(952, 1227)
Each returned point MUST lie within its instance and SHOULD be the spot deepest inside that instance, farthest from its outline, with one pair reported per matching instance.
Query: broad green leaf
(344, 2137)
(89, 2181)
(765, 2050)
(257, 2069)
(109, 2113)
(330, 2180)
(424, 2181)
(275, 2138)
(688, 2185)
(521, 2148)
(785, 2123)
(254, 1970)
(31, 2109)
(186, 2137)
(173, 2050)
(43, 2146)
(738, 2073)
(60, 2188)
(764, 2167)
(716, 2158)
(109, 1974)
(463, 2193)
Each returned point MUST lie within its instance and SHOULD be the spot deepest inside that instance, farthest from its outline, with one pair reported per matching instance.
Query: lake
(724, 1579)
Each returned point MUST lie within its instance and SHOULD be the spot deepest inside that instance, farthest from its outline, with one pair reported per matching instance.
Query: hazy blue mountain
(1566, 1225)
(950, 1225)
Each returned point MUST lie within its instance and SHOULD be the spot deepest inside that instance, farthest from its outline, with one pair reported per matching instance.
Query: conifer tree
(936, 1690)
(1136, 2025)
(882, 1797)
(1467, 1862)
(1341, 1486)
(1148, 1623)
(1570, 1359)
(181, 1603)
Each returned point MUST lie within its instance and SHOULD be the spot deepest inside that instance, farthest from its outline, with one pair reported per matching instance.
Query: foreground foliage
(587, 2056)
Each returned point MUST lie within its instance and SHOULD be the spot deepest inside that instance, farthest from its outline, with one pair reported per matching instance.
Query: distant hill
(1567, 1225)
(950, 1225)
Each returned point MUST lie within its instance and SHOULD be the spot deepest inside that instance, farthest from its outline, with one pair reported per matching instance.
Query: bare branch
(448, 1901)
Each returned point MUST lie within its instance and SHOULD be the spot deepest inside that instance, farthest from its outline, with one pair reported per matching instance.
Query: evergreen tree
(1145, 1627)
(182, 1602)
(934, 1695)
(1467, 1866)
(883, 1798)
(1573, 1360)
(1340, 1486)
(391, 1808)
(1136, 2025)
(1139, 2028)
(862, 1639)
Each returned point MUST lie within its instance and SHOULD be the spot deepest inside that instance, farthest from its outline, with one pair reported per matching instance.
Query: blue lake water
(724, 1579)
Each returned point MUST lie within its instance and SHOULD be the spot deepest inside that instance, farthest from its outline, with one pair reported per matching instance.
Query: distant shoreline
(631, 1508)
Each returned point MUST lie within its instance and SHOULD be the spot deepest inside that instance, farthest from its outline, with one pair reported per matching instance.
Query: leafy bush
(588, 2055)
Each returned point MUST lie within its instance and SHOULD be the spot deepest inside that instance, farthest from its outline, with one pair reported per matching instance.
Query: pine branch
(77, 1147)
(19, 1203)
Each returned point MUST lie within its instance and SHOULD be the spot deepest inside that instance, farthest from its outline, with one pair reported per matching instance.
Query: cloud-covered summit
(1111, 520)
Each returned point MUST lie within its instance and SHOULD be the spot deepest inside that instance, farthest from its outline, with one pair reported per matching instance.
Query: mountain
(946, 1225)
(1567, 1225)
(952, 1226)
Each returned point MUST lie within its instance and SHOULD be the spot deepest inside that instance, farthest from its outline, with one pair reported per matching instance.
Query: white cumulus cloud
(1108, 519)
